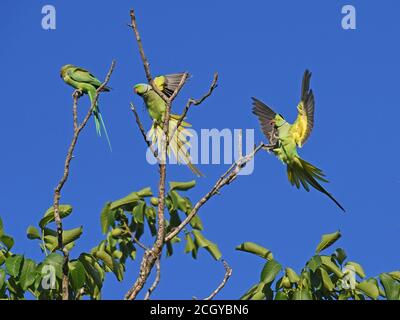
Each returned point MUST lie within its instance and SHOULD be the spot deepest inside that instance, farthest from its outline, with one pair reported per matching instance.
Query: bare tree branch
(156, 280)
(225, 179)
(152, 256)
(64, 178)
(228, 273)
(146, 64)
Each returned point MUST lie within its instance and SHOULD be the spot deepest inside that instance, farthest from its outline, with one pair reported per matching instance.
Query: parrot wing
(304, 123)
(168, 83)
(266, 117)
(82, 75)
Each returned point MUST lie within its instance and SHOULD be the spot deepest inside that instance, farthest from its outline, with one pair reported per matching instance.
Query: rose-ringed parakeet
(156, 107)
(84, 81)
(284, 138)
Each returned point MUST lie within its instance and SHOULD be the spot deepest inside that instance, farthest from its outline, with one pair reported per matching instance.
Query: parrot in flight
(84, 81)
(156, 107)
(284, 138)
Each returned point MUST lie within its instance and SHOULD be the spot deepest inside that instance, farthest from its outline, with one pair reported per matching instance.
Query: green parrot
(284, 138)
(156, 108)
(84, 81)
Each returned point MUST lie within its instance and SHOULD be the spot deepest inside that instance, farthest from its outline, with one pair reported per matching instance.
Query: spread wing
(169, 82)
(266, 118)
(304, 123)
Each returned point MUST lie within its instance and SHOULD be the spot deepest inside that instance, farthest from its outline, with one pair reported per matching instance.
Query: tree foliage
(324, 277)
(123, 223)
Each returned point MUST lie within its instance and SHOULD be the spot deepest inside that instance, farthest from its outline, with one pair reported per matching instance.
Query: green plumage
(156, 107)
(284, 138)
(84, 81)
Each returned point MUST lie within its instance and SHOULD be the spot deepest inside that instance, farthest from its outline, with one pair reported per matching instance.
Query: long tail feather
(105, 130)
(302, 172)
(178, 144)
(98, 119)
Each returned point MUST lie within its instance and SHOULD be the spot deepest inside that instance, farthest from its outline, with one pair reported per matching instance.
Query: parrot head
(64, 69)
(141, 88)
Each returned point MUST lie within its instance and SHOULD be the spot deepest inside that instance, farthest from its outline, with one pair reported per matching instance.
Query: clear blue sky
(260, 48)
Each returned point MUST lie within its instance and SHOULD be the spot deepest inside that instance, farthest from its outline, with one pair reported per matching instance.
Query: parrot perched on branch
(156, 107)
(284, 138)
(84, 81)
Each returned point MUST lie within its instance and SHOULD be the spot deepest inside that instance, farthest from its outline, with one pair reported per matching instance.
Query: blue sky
(260, 48)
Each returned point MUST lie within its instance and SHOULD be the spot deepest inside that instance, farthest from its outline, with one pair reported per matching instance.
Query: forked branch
(77, 128)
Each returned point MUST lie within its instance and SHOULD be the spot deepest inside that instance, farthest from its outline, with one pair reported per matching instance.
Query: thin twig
(64, 178)
(228, 273)
(156, 280)
(225, 179)
(143, 132)
(195, 102)
(146, 63)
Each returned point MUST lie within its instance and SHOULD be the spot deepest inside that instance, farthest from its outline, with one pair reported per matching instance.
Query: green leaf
(190, 246)
(7, 241)
(340, 255)
(326, 280)
(327, 240)
(174, 199)
(182, 186)
(199, 239)
(64, 211)
(54, 260)
(369, 288)
(71, 235)
(258, 293)
(331, 266)
(14, 264)
(32, 233)
(270, 271)
(110, 263)
(107, 218)
(292, 275)
(2, 278)
(145, 192)
(256, 249)
(314, 263)
(391, 286)
(395, 275)
(28, 273)
(280, 295)
(357, 268)
(2, 257)
(125, 203)
(138, 212)
(213, 249)
(249, 292)
(93, 269)
(202, 242)
(302, 294)
(77, 274)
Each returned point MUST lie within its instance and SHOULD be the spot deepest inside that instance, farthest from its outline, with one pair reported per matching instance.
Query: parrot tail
(98, 119)
(178, 142)
(302, 172)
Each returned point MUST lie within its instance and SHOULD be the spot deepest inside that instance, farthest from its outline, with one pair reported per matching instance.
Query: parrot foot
(78, 93)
